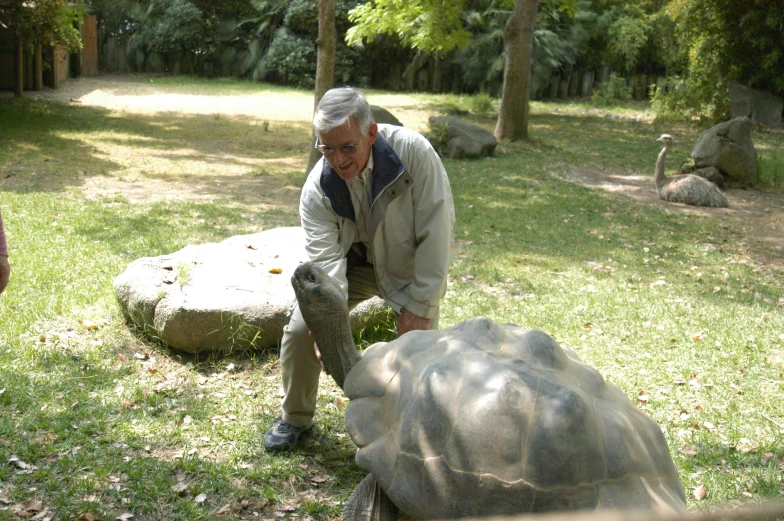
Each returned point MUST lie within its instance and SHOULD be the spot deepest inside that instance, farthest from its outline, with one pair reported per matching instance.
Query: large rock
(760, 106)
(465, 139)
(728, 147)
(382, 115)
(220, 297)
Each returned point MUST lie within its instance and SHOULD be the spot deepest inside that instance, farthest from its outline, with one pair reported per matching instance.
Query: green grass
(663, 303)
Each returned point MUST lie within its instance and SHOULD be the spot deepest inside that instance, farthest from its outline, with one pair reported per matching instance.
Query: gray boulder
(761, 107)
(382, 115)
(465, 139)
(728, 147)
(711, 173)
(221, 297)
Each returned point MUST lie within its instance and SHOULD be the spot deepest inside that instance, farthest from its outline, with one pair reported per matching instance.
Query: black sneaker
(282, 436)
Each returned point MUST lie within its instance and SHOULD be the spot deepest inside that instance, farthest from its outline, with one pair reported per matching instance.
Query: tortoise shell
(484, 419)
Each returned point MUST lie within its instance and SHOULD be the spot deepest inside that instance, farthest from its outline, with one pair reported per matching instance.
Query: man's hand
(5, 272)
(408, 321)
(318, 355)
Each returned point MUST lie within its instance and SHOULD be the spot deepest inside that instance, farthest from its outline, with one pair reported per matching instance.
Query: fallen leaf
(13, 460)
(42, 515)
(201, 498)
(128, 403)
(33, 505)
(700, 492)
(180, 487)
(709, 426)
(689, 450)
(767, 457)
(124, 517)
(276, 271)
(87, 517)
(642, 397)
(224, 510)
(122, 358)
(747, 493)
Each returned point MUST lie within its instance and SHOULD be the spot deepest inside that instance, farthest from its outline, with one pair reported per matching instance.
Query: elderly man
(378, 215)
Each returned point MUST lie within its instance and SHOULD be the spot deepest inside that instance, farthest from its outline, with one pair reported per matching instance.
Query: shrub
(682, 99)
(438, 137)
(481, 102)
(612, 91)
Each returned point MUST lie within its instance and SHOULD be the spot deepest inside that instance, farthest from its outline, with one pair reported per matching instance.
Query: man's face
(348, 166)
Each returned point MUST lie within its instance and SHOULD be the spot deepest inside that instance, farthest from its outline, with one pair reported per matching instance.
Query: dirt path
(757, 217)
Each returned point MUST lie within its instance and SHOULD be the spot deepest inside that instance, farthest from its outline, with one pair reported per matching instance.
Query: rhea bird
(685, 188)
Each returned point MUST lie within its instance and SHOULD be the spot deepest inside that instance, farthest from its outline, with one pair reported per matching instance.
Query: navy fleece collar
(386, 168)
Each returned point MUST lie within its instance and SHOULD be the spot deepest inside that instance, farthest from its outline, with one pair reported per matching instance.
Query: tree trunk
(325, 64)
(518, 45)
(39, 67)
(19, 86)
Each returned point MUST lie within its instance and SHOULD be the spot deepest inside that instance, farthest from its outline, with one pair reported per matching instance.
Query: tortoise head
(325, 310)
(318, 294)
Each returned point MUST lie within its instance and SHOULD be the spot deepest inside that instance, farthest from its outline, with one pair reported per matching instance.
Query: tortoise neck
(334, 340)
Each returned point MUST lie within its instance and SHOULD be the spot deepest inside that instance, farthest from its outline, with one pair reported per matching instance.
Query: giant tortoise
(483, 419)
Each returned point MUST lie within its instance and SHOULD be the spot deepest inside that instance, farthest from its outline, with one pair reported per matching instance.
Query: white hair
(338, 106)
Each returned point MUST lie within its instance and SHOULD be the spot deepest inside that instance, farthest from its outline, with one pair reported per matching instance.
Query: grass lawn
(677, 308)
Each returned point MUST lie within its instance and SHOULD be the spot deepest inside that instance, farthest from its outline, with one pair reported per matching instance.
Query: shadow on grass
(47, 146)
(517, 215)
(94, 437)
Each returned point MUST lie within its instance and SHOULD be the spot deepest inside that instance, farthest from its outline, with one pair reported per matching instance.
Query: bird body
(685, 188)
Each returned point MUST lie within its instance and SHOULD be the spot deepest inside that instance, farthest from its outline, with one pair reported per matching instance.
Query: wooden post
(39, 67)
(19, 87)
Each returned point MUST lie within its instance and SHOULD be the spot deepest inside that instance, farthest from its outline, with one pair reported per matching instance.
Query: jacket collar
(386, 168)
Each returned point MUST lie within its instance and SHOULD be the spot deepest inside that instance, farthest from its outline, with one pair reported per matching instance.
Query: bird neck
(660, 177)
(339, 354)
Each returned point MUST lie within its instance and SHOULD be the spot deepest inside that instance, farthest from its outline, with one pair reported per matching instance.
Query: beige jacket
(411, 221)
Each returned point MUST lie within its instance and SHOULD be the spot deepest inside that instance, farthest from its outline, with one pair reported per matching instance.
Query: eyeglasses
(347, 150)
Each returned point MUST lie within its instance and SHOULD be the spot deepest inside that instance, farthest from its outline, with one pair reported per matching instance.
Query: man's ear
(372, 132)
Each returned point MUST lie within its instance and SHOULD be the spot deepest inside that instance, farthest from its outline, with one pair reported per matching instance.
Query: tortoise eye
(311, 277)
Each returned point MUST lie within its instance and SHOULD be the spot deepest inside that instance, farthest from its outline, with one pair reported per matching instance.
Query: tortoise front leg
(369, 503)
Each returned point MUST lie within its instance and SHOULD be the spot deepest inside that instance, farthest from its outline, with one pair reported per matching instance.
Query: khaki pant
(298, 363)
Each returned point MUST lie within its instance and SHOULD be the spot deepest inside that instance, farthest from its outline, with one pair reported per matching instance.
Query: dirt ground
(754, 219)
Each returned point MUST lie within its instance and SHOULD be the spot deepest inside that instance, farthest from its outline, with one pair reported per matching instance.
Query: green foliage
(560, 37)
(691, 98)
(612, 91)
(172, 25)
(481, 102)
(721, 40)
(438, 135)
(292, 60)
(627, 33)
(737, 40)
(430, 26)
(49, 22)
(292, 55)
